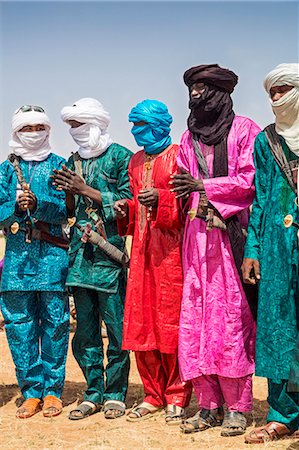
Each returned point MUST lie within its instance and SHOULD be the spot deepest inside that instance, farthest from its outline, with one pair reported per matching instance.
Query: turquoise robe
(38, 266)
(89, 267)
(34, 303)
(276, 248)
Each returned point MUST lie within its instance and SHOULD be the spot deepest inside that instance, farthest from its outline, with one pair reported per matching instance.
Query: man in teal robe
(271, 255)
(33, 298)
(96, 279)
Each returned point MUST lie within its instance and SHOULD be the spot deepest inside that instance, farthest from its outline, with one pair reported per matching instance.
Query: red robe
(155, 281)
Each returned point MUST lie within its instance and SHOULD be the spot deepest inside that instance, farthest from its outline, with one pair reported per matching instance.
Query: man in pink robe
(217, 328)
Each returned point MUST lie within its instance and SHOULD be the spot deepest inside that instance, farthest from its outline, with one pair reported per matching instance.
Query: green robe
(89, 267)
(276, 248)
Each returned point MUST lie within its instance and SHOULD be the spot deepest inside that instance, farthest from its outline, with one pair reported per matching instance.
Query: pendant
(71, 221)
(192, 214)
(14, 228)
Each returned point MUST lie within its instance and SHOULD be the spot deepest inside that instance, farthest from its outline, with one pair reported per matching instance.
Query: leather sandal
(174, 415)
(234, 424)
(270, 432)
(85, 409)
(52, 406)
(114, 409)
(28, 408)
(202, 420)
(143, 411)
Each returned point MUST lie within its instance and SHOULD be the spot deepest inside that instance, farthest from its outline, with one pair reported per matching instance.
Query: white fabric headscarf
(286, 109)
(92, 137)
(30, 146)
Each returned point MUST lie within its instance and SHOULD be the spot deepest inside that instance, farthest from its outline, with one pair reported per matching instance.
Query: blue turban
(154, 135)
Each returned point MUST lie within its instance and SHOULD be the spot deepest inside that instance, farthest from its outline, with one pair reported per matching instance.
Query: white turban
(286, 109)
(31, 146)
(92, 137)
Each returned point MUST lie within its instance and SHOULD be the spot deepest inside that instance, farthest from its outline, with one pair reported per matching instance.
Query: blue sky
(53, 53)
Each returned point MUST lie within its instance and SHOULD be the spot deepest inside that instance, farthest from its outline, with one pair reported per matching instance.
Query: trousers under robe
(284, 405)
(37, 330)
(91, 307)
(159, 373)
(212, 391)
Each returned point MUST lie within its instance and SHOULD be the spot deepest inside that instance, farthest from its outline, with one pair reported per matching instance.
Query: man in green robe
(271, 255)
(96, 176)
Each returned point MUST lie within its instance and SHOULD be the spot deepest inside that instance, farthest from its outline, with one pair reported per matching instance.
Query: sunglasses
(27, 108)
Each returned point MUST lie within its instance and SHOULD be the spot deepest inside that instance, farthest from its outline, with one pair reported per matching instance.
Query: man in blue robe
(34, 303)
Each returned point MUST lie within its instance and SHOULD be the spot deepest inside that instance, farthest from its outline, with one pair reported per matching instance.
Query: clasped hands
(184, 184)
(147, 197)
(68, 181)
(26, 200)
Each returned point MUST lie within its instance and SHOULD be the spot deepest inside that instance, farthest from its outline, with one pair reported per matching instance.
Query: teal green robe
(276, 248)
(89, 267)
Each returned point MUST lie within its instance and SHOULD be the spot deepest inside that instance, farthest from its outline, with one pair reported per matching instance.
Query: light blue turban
(154, 135)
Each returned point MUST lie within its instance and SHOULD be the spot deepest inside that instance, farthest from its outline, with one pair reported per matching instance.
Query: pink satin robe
(217, 331)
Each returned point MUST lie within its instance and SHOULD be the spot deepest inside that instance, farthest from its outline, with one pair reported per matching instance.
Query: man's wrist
(18, 211)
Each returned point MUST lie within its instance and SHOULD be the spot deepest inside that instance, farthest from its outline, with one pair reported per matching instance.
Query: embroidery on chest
(147, 182)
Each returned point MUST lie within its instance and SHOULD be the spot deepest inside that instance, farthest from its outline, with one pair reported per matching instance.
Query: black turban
(212, 75)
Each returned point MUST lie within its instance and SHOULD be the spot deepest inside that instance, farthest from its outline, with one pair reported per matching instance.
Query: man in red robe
(155, 282)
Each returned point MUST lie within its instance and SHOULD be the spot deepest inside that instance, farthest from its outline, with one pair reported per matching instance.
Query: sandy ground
(97, 432)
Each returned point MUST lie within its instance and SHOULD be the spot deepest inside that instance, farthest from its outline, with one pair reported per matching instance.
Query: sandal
(29, 407)
(234, 424)
(85, 409)
(136, 415)
(52, 406)
(270, 432)
(174, 415)
(114, 409)
(203, 419)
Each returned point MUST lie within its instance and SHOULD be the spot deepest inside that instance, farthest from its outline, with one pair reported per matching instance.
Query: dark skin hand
(72, 184)
(251, 271)
(185, 183)
(26, 200)
(149, 197)
(121, 208)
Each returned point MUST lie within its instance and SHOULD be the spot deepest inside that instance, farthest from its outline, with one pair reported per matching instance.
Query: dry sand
(97, 432)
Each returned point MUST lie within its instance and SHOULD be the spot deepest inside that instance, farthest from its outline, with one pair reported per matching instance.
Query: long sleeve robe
(90, 267)
(217, 330)
(276, 248)
(38, 266)
(154, 288)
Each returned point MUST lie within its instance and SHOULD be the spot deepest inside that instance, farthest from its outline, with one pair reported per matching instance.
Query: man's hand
(68, 181)
(251, 271)
(121, 208)
(149, 197)
(26, 200)
(185, 184)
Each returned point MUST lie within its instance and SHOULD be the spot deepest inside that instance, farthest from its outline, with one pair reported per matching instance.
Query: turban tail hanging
(286, 109)
(153, 136)
(210, 120)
